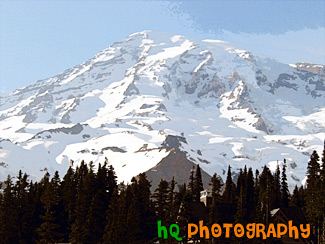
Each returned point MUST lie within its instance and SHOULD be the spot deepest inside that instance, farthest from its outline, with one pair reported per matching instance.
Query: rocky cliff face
(130, 102)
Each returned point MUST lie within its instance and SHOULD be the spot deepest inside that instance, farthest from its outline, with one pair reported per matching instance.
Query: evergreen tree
(214, 216)
(105, 184)
(295, 200)
(240, 181)
(86, 189)
(50, 230)
(112, 231)
(229, 193)
(96, 219)
(284, 186)
(302, 196)
(215, 184)
(257, 174)
(34, 211)
(160, 197)
(141, 217)
(88, 207)
(106, 179)
(313, 191)
(29, 208)
(191, 182)
(322, 171)
(198, 184)
(185, 214)
(182, 190)
(313, 170)
(241, 202)
(246, 201)
(277, 187)
(256, 194)
(148, 214)
(250, 196)
(9, 218)
(69, 187)
(117, 226)
(21, 197)
(322, 195)
(110, 181)
(172, 204)
(265, 196)
(313, 183)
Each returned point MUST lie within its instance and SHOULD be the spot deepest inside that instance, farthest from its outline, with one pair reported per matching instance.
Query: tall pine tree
(313, 191)
(9, 215)
(69, 191)
(295, 200)
(277, 187)
(265, 196)
(215, 184)
(160, 197)
(198, 184)
(322, 195)
(173, 203)
(50, 230)
(229, 193)
(141, 217)
(284, 186)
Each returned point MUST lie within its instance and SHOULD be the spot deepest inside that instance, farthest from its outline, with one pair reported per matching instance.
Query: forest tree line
(88, 206)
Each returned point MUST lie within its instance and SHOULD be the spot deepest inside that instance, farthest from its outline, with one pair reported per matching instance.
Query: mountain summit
(153, 98)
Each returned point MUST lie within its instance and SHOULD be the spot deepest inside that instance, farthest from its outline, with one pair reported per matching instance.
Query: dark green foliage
(191, 182)
(241, 202)
(34, 210)
(69, 191)
(173, 202)
(116, 225)
(198, 184)
(160, 197)
(50, 230)
(295, 200)
(9, 217)
(250, 196)
(216, 198)
(302, 196)
(265, 196)
(322, 196)
(186, 213)
(95, 221)
(86, 190)
(141, 217)
(246, 197)
(277, 188)
(313, 183)
(88, 207)
(23, 205)
(313, 169)
(215, 184)
(229, 193)
(313, 194)
(105, 183)
(284, 187)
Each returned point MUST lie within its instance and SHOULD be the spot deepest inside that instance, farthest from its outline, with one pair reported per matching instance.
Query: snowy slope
(231, 106)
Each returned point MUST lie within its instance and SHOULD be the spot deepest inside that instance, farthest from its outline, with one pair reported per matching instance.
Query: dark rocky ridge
(176, 165)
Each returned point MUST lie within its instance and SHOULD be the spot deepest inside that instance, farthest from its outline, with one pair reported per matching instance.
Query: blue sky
(39, 39)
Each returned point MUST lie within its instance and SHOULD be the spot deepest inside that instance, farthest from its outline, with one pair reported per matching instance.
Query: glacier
(226, 106)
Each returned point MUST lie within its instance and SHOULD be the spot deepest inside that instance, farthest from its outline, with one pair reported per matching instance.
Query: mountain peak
(230, 105)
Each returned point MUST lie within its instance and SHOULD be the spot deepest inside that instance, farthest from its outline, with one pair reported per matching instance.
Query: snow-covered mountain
(153, 95)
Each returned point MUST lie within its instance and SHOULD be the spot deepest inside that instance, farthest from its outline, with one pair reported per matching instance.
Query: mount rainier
(157, 103)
